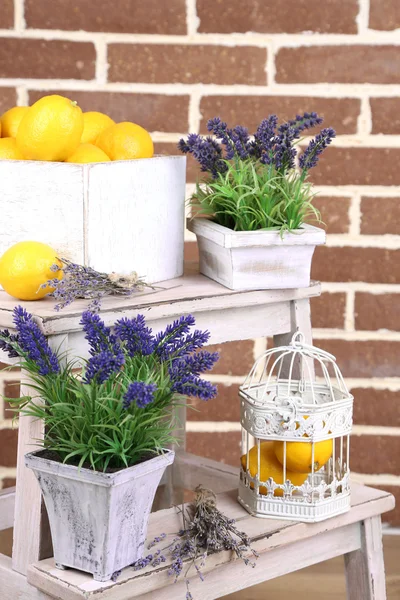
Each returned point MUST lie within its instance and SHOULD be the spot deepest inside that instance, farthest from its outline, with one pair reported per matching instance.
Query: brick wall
(170, 66)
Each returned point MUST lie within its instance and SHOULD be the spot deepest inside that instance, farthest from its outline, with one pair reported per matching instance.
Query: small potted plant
(107, 429)
(258, 203)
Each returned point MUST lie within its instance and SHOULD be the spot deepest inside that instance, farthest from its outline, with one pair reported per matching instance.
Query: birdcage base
(292, 509)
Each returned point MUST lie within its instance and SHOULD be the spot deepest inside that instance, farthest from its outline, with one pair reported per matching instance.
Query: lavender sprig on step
(87, 283)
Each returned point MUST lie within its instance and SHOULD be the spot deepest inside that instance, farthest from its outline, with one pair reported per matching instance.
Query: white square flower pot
(98, 520)
(256, 260)
(120, 216)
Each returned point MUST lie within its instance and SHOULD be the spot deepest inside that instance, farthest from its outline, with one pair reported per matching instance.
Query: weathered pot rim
(45, 465)
(228, 238)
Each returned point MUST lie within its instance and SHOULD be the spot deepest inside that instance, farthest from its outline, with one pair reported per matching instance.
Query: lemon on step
(11, 120)
(88, 153)
(9, 150)
(126, 141)
(25, 267)
(51, 129)
(93, 124)
(270, 467)
(299, 454)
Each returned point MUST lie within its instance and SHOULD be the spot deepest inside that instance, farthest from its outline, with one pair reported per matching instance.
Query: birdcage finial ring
(298, 339)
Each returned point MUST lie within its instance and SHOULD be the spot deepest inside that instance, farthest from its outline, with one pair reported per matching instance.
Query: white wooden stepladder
(283, 546)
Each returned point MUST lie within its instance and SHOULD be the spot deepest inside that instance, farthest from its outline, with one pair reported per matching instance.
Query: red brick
(8, 482)
(372, 358)
(328, 310)
(392, 517)
(377, 311)
(154, 112)
(46, 59)
(357, 166)
(380, 216)
(340, 113)
(269, 16)
(226, 407)
(8, 447)
(384, 15)
(376, 407)
(160, 63)
(223, 447)
(334, 213)
(125, 16)
(7, 14)
(372, 265)
(385, 115)
(8, 99)
(375, 454)
(338, 64)
(236, 358)
(191, 252)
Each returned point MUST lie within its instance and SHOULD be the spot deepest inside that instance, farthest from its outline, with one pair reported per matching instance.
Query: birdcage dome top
(296, 390)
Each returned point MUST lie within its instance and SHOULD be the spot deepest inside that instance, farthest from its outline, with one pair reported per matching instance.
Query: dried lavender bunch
(87, 283)
(206, 530)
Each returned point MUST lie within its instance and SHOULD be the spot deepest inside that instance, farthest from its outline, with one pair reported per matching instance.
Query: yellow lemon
(51, 129)
(11, 120)
(125, 141)
(88, 153)
(93, 124)
(9, 150)
(299, 454)
(270, 467)
(25, 267)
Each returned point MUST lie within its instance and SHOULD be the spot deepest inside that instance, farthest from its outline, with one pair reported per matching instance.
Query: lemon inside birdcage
(269, 467)
(299, 455)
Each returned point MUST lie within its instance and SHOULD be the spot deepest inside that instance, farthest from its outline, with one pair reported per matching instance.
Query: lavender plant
(252, 182)
(84, 282)
(120, 409)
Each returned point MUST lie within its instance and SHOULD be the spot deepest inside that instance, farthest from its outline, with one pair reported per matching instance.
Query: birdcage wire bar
(286, 410)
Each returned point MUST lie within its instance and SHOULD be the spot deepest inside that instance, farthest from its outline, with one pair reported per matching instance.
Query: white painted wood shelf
(229, 315)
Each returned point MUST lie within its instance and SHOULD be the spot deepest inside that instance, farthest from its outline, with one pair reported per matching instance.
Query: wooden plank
(7, 503)
(365, 568)
(190, 293)
(14, 586)
(30, 513)
(268, 535)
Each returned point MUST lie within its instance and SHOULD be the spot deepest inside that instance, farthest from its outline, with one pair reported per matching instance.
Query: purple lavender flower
(140, 393)
(101, 366)
(5, 343)
(284, 152)
(173, 335)
(137, 337)
(220, 130)
(98, 335)
(142, 562)
(264, 139)
(190, 385)
(311, 155)
(195, 364)
(305, 121)
(34, 343)
(241, 139)
(206, 151)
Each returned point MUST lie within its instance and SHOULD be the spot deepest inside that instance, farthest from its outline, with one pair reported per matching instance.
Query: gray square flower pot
(98, 520)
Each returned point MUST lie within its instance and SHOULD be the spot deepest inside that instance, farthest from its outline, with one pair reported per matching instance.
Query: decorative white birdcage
(296, 417)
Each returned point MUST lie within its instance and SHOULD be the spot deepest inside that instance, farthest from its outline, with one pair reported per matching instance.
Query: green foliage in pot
(253, 182)
(121, 409)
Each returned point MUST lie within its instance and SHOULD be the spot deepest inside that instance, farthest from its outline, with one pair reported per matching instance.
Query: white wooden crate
(118, 216)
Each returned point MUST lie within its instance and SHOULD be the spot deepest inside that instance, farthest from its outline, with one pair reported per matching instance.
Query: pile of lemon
(298, 461)
(56, 129)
